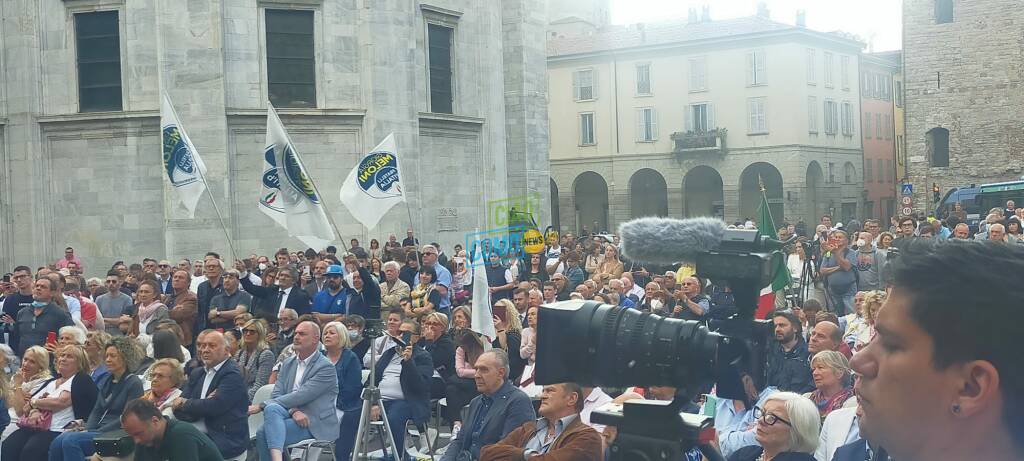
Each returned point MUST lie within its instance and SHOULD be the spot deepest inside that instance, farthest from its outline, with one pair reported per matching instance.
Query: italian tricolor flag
(766, 226)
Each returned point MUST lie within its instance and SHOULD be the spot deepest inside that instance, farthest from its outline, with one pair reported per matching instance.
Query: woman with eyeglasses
(148, 312)
(165, 380)
(425, 297)
(439, 344)
(254, 356)
(787, 430)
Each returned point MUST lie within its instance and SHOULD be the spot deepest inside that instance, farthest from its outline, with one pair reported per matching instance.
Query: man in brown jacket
(559, 435)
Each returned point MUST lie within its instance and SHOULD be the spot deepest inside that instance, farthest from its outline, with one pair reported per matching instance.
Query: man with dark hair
(164, 439)
(788, 367)
(213, 270)
(22, 278)
(559, 434)
(230, 303)
(114, 303)
(409, 272)
(284, 293)
(939, 382)
(69, 257)
(357, 250)
(905, 227)
(39, 319)
(409, 240)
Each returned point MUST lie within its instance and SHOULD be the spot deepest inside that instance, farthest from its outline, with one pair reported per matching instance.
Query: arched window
(849, 173)
(937, 141)
(943, 11)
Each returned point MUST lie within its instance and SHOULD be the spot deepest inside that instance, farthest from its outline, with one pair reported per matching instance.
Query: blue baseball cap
(334, 269)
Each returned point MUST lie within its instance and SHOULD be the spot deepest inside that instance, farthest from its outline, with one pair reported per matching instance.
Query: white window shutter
(593, 79)
(639, 124)
(688, 118)
(576, 85)
(654, 124)
(761, 67)
(750, 68)
(711, 116)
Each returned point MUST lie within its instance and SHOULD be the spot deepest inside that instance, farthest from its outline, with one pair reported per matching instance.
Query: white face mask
(263, 266)
(861, 243)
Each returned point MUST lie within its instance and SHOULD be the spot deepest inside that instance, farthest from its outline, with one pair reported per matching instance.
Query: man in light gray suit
(302, 404)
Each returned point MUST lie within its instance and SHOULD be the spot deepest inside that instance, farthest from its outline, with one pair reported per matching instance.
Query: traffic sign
(907, 200)
(908, 189)
(907, 211)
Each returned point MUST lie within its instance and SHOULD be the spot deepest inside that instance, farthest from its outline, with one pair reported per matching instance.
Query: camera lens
(593, 343)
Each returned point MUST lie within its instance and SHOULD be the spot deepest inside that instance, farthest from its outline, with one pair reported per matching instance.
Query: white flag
(289, 196)
(483, 320)
(184, 168)
(374, 185)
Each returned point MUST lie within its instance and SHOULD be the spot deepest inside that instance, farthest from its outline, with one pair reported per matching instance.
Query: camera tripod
(371, 397)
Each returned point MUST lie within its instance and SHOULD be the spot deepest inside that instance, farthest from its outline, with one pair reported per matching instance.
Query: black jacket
(205, 294)
(753, 452)
(225, 413)
(415, 379)
(30, 330)
(442, 352)
(790, 371)
(267, 301)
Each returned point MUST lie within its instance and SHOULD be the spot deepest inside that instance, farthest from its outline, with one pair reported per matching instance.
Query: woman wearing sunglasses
(787, 430)
(254, 355)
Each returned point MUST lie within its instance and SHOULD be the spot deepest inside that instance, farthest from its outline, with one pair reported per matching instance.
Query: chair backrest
(256, 420)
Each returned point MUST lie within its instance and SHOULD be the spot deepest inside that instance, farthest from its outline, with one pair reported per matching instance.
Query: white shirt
(284, 299)
(300, 370)
(62, 417)
(595, 400)
(391, 382)
(207, 381)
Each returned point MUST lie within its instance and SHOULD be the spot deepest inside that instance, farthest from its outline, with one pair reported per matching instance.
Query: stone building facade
(687, 118)
(963, 66)
(78, 171)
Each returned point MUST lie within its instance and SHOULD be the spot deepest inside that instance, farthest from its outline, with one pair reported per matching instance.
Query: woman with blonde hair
(509, 337)
(831, 373)
(350, 386)
(254, 355)
(611, 264)
(872, 303)
(34, 372)
(95, 344)
(165, 378)
(6, 358)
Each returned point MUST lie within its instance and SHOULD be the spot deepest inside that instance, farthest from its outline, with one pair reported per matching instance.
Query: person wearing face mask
(34, 324)
(357, 343)
(870, 264)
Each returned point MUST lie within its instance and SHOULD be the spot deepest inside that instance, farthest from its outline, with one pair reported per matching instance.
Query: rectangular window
(587, 129)
(291, 61)
(98, 41)
(881, 170)
(756, 68)
(828, 70)
(698, 74)
(866, 84)
(888, 126)
(584, 85)
(879, 127)
(757, 122)
(439, 44)
(869, 171)
(867, 125)
(646, 125)
(890, 171)
(812, 114)
(844, 71)
(700, 117)
(812, 56)
(643, 79)
(831, 117)
(847, 119)
(899, 93)
(831, 173)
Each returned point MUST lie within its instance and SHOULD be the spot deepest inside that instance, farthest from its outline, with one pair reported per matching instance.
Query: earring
(956, 408)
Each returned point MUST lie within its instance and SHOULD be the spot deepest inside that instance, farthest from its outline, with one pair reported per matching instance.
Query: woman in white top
(34, 372)
(55, 398)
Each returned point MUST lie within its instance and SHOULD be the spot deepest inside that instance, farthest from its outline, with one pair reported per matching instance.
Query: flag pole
(316, 189)
(202, 176)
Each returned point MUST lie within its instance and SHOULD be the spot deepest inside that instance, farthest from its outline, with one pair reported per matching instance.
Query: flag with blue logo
(184, 168)
(288, 194)
(374, 185)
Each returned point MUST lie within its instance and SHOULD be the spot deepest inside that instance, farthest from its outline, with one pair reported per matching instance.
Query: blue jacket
(326, 303)
(225, 413)
(510, 409)
(350, 381)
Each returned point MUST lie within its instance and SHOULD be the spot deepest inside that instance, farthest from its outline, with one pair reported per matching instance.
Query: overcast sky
(877, 22)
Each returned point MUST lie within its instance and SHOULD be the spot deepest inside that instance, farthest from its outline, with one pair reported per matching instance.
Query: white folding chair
(255, 421)
(311, 449)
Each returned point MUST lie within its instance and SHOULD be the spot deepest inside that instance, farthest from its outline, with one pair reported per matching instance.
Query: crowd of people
(180, 356)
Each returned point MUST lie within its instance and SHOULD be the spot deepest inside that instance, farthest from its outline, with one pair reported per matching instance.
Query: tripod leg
(389, 437)
(359, 451)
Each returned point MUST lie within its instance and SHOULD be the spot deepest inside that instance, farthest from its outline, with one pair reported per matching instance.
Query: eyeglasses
(248, 331)
(769, 418)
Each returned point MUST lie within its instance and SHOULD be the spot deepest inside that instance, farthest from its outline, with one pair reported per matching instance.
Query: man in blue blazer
(303, 401)
(498, 410)
(215, 398)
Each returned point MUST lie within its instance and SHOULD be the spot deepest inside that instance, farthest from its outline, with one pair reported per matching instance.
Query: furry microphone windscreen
(670, 241)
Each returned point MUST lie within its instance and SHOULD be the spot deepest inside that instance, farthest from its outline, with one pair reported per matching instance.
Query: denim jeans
(399, 412)
(347, 437)
(843, 302)
(279, 430)
(72, 446)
